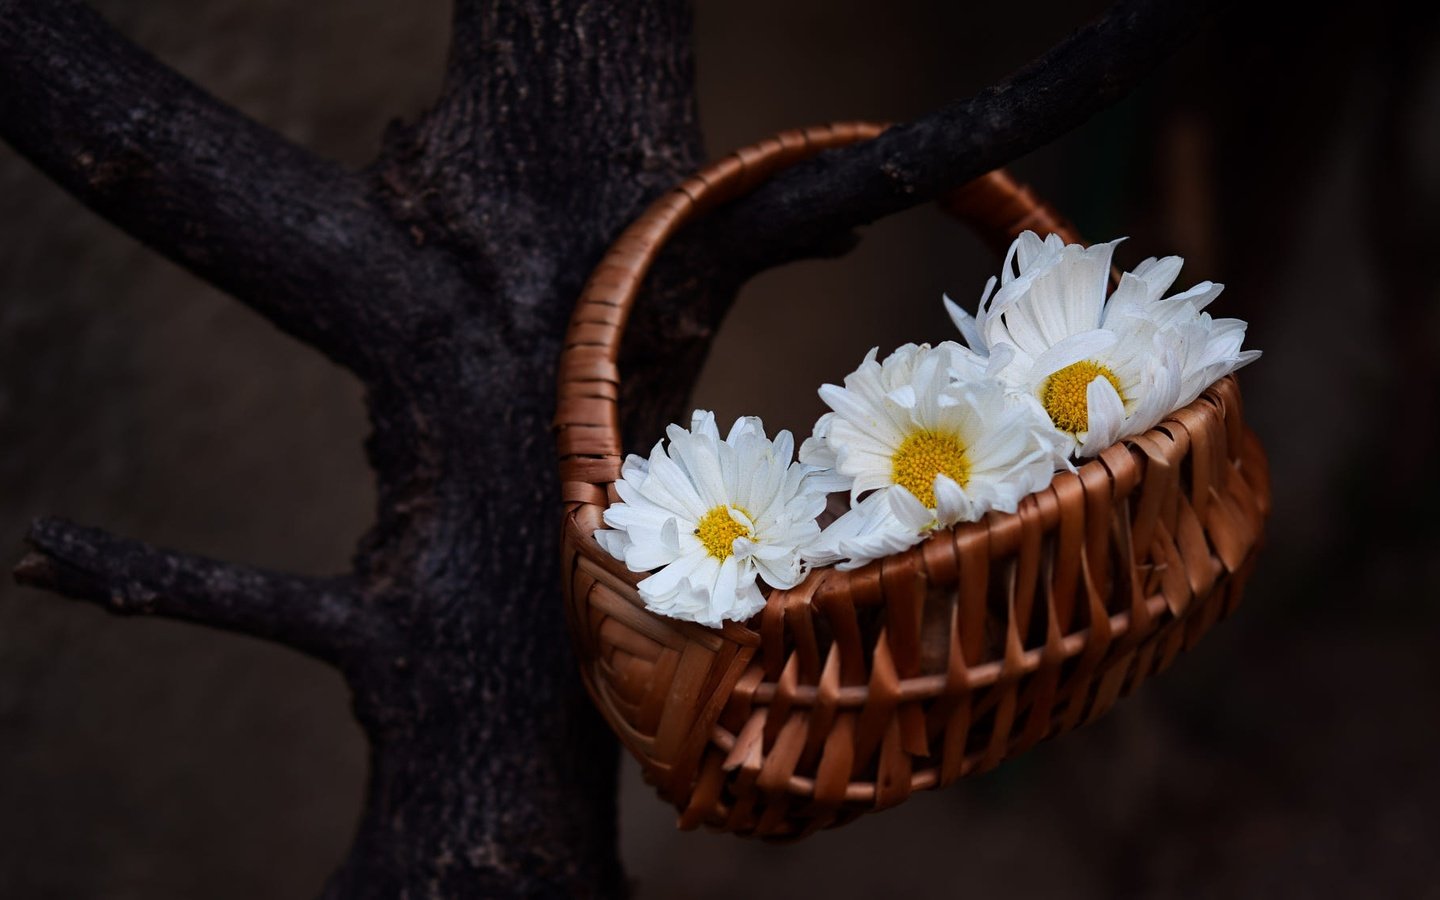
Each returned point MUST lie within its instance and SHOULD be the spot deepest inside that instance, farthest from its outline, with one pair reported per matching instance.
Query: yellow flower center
(922, 456)
(1064, 394)
(717, 531)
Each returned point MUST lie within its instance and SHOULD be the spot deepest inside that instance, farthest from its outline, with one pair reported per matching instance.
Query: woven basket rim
(1167, 443)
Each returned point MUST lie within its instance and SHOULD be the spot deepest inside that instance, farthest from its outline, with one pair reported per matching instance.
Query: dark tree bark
(443, 277)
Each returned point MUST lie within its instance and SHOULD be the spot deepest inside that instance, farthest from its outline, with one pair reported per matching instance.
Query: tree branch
(293, 236)
(318, 616)
(811, 206)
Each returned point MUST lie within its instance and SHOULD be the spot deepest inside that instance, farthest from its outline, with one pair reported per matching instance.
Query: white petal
(1026, 250)
(966, 322)
(1158, 275)
(785, 572)
(951, 503)
(702, 422)
(613, 542)
(904, 396)
(1105, 416)
(726, 586)
(865, 533)
(672, 576)
(908, 509)
(1085, 345)
(745, 425)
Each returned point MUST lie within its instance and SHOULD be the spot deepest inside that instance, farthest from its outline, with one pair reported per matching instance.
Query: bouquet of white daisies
(1051, 371)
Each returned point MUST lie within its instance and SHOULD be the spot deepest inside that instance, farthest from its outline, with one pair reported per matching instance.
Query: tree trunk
(491, 773)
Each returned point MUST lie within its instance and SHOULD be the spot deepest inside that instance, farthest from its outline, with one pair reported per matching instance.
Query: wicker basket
(854, 689)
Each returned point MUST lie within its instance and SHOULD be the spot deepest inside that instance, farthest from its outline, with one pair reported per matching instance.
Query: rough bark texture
(443, 276)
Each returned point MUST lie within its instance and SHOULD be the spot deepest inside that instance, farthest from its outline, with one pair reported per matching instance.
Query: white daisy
(711, 515)
(1102, 369)
(918, 449)
(875, 381)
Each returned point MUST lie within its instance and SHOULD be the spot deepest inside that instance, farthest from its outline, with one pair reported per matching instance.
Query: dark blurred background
(1294, 753)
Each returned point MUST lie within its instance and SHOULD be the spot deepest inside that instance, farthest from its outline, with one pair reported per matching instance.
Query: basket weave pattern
(854, 689)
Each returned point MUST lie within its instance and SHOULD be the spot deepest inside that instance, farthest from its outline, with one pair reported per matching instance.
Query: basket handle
(587, 416)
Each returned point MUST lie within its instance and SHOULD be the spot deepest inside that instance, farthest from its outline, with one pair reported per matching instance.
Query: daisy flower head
(919, 448)
(708, 516)
(1101, 368)
(874, 381)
